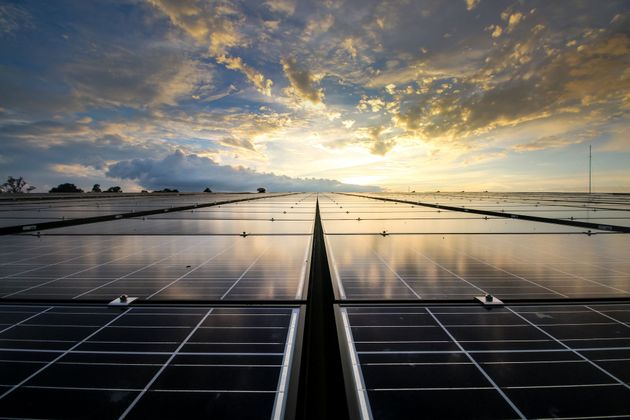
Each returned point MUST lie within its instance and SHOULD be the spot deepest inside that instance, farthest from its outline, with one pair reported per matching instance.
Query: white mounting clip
(489, 300)
(123, 300)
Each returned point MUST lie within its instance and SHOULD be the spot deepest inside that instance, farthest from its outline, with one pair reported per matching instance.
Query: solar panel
(592, 209)
(463, 266)
(36, 211)
(147, 362)
(150, 226)
(179, 267)
(470, 225)
(563, 361)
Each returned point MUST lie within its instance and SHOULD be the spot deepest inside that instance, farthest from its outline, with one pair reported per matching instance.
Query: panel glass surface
(611, 209)
(464, 266)
(154, 267)
(41, 208)
(186, 227)
(568, 361)
(145, 362)
(476, 225)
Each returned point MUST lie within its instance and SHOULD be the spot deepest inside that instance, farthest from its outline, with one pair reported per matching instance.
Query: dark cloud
(194, 173)
(302, 82)
(47, 153)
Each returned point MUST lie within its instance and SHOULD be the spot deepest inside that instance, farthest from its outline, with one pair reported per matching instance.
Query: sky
(329, 95)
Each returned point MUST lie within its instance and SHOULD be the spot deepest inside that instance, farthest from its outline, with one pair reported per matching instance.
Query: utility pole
(590, 157)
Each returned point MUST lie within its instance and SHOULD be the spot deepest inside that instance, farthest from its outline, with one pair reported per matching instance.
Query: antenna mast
(589, 167)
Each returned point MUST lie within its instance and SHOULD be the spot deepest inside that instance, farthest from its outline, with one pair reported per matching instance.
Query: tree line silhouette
(19, 186)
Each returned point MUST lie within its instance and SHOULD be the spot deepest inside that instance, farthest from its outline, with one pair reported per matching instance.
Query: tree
(66, 188)
(207, 190)
(13, 185)
(96, 188)
(31, 188)
(261, 190)
(115, 189)
(167, 190)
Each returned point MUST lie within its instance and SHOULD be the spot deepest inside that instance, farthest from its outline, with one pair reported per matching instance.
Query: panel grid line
(159, 372)
(483, 372)
(81, 271)
(396, 274)
(244, 273)
(37, 372)
(189, 272)
(576, 352)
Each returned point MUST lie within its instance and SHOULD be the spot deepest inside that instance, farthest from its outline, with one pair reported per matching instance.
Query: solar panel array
(38, 208)
(223, 291)
(223, 341)
(544, 354)
(189, 255)
(423, 253)
(606, 209)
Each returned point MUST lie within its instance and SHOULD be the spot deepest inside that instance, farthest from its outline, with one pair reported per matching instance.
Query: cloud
(282, 6)
(303, 83)
(496, 30)
(513, 20)
(380, 146)
(13, 18)
(241, 143)
(374, 104)
(255, 77)
(544, 143)
(215, 25)
(48, 153)
(618, 140)
(31, 146)
(471, 4)
(348, 44)
(194, 173)
(52, 74)
(378, 139)
(155, 76)
(525, 80)
(104, 84)
(315, 26)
